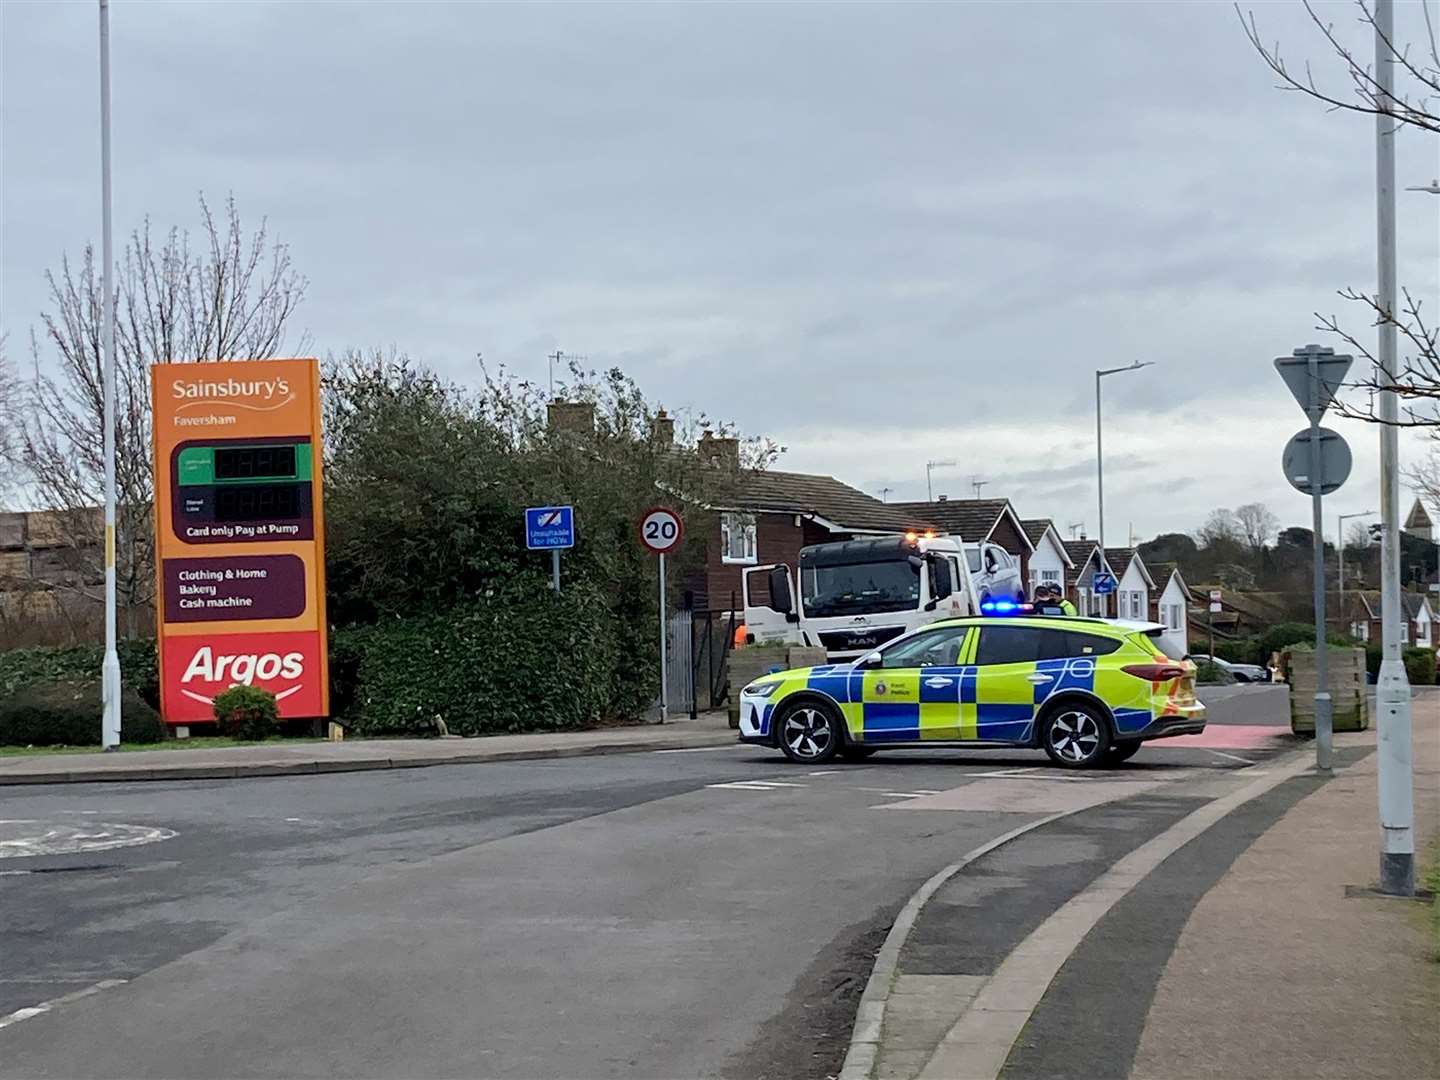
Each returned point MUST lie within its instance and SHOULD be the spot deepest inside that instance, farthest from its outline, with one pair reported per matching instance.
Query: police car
(1086, 691)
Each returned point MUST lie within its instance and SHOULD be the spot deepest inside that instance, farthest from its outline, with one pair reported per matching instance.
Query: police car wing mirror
(780, 598)
(869, 660)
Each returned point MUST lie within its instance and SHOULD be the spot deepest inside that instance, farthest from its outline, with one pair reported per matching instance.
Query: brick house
(1084, 560)
(770, 517)
(1417, 629)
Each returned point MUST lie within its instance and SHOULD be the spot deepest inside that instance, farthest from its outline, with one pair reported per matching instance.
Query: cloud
(882, 234)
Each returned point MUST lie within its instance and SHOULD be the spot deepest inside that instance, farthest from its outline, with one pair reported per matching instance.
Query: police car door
(1008, 683)
(913, 691)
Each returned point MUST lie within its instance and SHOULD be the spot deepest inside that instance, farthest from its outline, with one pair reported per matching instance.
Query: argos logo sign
(196, 668)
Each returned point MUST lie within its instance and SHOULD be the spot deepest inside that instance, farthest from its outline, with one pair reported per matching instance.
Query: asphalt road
(661, 914)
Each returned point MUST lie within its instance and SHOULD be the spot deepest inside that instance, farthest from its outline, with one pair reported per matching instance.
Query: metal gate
(680, 663)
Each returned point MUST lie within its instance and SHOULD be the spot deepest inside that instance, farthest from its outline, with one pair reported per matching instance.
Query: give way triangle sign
(1330, 370)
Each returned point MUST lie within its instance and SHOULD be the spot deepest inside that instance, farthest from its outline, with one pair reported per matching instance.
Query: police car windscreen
(860, 588)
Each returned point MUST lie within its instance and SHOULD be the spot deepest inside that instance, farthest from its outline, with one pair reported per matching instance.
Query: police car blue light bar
(1005, 607)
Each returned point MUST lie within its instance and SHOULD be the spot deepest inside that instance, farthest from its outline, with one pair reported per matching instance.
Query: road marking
(22, 837)
(700, 749)
(1232, 757)
(755, 785)
(979, 1043)
(1011, 772)
(54, 1003)
(824, 772)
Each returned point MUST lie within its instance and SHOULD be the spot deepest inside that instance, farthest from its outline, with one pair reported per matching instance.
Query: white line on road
(1232, 757)
(54, 1003)
(755, 785)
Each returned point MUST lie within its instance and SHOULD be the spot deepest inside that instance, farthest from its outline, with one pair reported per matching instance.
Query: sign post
(1317, 461)
(239, 535)
(552, 529)
(661, 531)
(1215, 606)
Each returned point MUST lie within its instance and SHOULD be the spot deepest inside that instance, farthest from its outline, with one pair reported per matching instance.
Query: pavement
(1237, 939)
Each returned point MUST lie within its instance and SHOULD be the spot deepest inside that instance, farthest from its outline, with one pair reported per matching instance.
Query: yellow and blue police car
(1086, 691)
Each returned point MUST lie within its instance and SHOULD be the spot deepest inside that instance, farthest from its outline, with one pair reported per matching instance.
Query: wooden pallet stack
(1350, 703)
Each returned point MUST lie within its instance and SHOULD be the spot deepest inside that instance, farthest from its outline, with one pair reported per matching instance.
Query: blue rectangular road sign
(548, 528)
(1104, 583)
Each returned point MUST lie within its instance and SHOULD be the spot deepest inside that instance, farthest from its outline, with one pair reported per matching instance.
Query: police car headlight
(761, 689)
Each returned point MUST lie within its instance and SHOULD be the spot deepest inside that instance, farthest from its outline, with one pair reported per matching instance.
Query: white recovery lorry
(857, 594)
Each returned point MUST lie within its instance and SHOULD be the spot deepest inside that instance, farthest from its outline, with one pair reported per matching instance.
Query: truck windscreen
(859, 588)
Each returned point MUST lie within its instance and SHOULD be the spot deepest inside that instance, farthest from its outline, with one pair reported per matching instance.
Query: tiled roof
(1080, 551)
(1119, 560)
(1418, 518)
(1162, 572)
(972, 519)
(824, 496)
(1411, 602)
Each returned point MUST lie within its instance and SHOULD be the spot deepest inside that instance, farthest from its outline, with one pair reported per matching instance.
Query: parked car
(1247, 673)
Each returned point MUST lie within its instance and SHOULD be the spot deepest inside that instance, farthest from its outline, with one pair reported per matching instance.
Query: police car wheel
(809, 733)
(1124, 750)
(1076, 736)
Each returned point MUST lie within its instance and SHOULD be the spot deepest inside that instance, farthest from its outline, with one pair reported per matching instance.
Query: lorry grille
(866, 637)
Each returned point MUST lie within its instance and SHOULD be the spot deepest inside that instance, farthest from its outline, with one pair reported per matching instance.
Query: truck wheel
(1076, 736)
(809, 732)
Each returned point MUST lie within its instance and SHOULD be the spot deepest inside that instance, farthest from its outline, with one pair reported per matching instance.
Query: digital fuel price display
(242, 489)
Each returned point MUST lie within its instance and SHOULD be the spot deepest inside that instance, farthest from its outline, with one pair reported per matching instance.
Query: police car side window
(939, 648)
(1078, 644)
(1009, 644)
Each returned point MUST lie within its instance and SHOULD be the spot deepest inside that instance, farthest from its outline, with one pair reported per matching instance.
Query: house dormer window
(737, 538)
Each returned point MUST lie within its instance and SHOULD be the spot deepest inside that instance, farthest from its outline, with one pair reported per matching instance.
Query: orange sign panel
(239, 535)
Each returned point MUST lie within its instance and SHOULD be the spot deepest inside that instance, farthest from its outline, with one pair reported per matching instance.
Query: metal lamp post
(1394, 763)
(1340, 553)
(110, 667)
(1099, 452)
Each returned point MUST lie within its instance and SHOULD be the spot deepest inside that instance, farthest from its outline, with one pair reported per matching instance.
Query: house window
(1046, 577)
(1404, 631)
(1173, 615)
(1422, 633)
(1132, 604)
(737, 538)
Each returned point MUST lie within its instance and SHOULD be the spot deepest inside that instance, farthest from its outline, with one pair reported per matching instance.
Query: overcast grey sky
(880, 234)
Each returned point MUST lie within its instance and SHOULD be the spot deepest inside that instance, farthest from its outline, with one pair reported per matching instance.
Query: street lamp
(1340, 552)
(110, 665)
(1099, 456)
(930, 466)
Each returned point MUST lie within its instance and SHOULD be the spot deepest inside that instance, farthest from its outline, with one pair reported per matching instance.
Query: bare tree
(1425, 479)
(1257, 524)
(232, 299)
(1222, 526)
(10, 396)
(1351, 84)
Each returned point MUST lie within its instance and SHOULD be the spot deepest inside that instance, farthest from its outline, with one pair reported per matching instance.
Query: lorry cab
(857, 594)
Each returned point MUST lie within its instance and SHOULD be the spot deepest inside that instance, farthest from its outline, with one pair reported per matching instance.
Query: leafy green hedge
(1419, 665)
(524, 659)
(517, 659)
(24, 668)
(66, 712)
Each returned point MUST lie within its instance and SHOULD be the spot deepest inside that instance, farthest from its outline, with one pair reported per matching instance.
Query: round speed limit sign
(661, 530)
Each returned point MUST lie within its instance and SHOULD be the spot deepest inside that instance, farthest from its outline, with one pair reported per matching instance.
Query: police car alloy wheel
(809, 733)
(1076, 736)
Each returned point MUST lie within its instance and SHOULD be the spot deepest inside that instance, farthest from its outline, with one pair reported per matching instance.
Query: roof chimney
(724, 451)
(662, 428)
(576, 416)
(943, 498)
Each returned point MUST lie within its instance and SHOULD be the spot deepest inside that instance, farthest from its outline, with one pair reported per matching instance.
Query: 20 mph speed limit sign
(661, 530)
